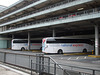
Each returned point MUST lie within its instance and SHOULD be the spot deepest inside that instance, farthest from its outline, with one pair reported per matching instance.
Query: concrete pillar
(96, 40)
(12, 36)
(2, 28)
(5, 27)
(28, 40)
(54, 33)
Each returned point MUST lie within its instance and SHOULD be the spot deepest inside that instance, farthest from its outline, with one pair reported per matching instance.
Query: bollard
(55, 69)
(31, 67)
(92, 51)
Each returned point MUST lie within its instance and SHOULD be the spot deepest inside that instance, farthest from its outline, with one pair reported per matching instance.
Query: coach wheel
(22, 49)
(84, 50)
(60, 51)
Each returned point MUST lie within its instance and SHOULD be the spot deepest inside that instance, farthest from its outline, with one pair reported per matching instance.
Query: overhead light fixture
(80, 9)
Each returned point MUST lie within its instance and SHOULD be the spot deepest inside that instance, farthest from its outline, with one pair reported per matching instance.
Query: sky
(7, 2)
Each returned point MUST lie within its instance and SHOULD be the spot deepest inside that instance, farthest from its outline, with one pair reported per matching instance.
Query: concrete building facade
(44, 18)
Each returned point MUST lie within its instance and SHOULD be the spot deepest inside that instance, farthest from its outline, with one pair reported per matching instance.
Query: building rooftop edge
(11, 5)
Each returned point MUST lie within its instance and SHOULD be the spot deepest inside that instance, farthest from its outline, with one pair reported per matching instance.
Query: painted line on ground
(14, 70)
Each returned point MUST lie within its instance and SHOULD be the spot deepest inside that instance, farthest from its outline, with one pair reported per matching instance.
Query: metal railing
(42, 64)
(61, 17)
(46, 65)
(42, 9)
(51, 67)
(80, 70)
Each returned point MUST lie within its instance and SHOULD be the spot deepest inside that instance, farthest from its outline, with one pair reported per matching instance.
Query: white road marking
(61, 58)
(85, 57)
(77, 58)
(69, 58)
(17, 71)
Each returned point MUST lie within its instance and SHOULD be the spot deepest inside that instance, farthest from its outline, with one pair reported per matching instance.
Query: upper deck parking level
(67, 18)
(26, 6)
(62, 7)
(18, 5)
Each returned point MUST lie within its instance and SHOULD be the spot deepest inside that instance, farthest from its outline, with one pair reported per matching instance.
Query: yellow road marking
(94, 56)
(76, 53)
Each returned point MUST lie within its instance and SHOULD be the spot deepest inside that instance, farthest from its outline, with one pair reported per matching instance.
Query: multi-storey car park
(45, 18)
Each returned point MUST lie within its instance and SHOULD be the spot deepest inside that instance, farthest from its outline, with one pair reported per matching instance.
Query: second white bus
(22, 44)
(66, 45)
